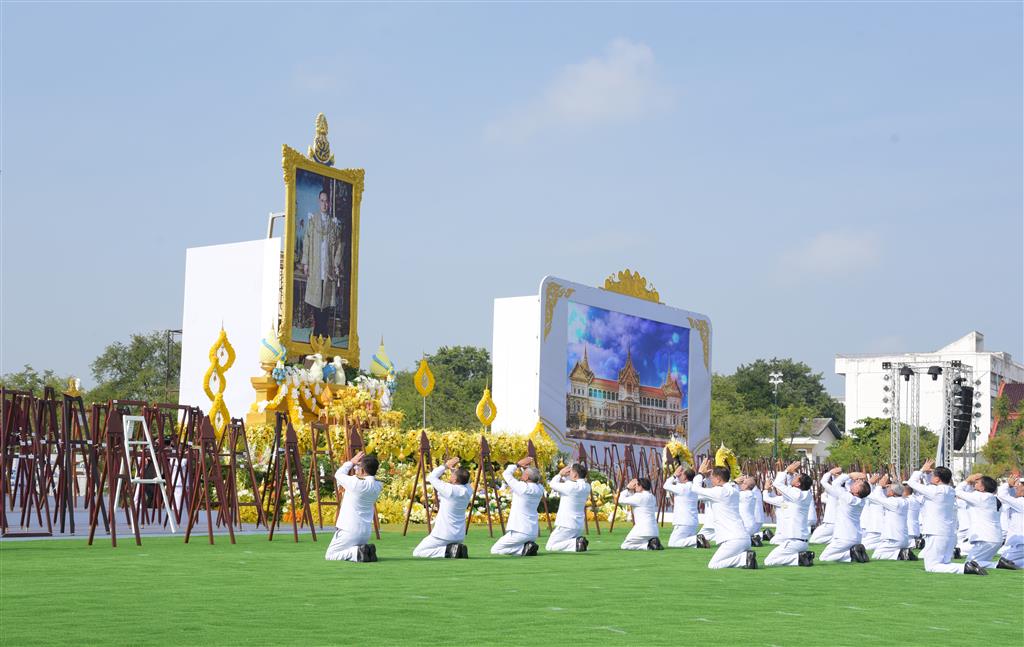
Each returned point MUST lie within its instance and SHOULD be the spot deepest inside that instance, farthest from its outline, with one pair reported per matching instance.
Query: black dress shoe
(451, 551)
(956, 552)
(859, 554)
(1007, 564)
(363, 553)
(702, 542)
(919, 542)
(806, 558)
(973, 568)
(462, 552)
(906, 555)
(767, 534)
(755, 540)
(655, 544)
(751, 560)
(373, 552)
(581, 544)
(530, 549)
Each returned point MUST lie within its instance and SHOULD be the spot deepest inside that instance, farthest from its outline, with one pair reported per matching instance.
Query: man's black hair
(690, 474)
(461, 475)
(644, 482)
(371, 464)
(804, 482)
(323, 192)
(580, 469)
(722, 473)
(944, 475)
(861, 489)
(989, 484)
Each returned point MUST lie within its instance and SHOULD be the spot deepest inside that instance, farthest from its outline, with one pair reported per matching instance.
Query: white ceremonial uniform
(1013, 546)
(914, 502)
(986, 535)
(938, 525)
(871, 522)
(645, 519)
(823, 533)
(684, 514)
(748, 511)
(777, 502)
(894, 524)
(759, 516)
(450, 522)
(963, 525)
(794, 534)
(846, 533)
(572, 505)
(355, 519)
(731, 534)
(708, 527)
(522, 526)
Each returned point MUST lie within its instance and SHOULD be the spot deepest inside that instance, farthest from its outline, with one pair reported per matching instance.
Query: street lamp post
(775, 379)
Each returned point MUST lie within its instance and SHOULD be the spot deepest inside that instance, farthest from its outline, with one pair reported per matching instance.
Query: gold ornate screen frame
(291, 160)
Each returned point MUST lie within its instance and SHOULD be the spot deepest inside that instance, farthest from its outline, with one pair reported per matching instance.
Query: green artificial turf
(64, 592)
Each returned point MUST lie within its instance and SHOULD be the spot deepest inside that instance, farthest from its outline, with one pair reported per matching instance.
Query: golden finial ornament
(632, 284)
(486, 412)
(74, 387)
(423, 380)
(320, 151)
(222, 356)
(321, 344)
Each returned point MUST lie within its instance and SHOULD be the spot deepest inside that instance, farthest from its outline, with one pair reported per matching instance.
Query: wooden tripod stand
(627, 472)
(207, 476)
(423, 466)
(235, 446)
(286, 467)
(116, 474)
(485, 473)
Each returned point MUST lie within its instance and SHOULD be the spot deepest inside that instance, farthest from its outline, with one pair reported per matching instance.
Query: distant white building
(864, 382)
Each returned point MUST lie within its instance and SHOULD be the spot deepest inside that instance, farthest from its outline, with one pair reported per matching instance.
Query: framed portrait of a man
(321, 256)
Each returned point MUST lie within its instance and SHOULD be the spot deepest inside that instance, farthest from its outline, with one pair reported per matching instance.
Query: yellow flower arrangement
(680, 452)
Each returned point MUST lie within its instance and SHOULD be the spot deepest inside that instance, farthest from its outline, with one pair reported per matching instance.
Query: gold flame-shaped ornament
(219, 414)
(486, 412)
(725, 457)
(320, 151)
(74, 387)
(423, 380)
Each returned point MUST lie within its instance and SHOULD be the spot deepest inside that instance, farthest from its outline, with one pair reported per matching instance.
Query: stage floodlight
(886, 377)
(886, 366)
(935, 372)
(906, 372)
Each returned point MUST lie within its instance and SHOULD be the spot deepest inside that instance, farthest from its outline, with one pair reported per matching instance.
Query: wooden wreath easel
(320, 433)
(485, 472)
(423, 466)
(286, 468)
(115, 475)
(208, 475)
(531, 451)
(627, 472)
(235, 446)
(581, 458)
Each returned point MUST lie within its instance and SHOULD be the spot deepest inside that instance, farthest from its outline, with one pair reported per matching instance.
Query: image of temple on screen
(626, 377)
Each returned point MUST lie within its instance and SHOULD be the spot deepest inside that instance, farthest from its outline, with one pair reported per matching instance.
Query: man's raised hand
(678, 472)
(358, 458)
(928, 465)
(524, 462)
(452, 463)
(793, 467)
(836, 471)
(705, 466)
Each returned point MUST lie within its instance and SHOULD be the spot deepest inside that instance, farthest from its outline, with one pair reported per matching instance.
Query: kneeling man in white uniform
(573, 492)
(355, 519)
(445, 539)
(522, 526)
(792, 548)
(733, 540)
(644, 535)
(684, 510)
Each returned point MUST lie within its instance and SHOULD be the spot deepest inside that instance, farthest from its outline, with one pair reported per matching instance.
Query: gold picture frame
(293, 161)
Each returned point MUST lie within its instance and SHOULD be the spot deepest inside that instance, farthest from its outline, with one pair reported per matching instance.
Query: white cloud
(617, 86)
(833, 253)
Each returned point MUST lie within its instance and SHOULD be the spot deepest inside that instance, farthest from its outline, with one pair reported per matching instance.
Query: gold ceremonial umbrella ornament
(486, 412)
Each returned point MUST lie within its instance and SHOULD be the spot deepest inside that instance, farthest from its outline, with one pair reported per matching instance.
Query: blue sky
(817, 178)
(609, 337)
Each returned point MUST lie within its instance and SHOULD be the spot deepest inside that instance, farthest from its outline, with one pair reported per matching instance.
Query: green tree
(461, 374)
(801, 386)
(29, 379)
(1004, 451)
(868, 444)
(146, 368)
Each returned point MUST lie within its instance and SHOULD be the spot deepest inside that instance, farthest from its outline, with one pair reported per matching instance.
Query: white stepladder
(136, 479)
